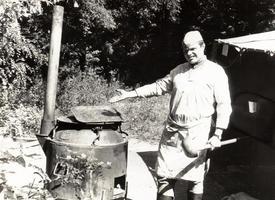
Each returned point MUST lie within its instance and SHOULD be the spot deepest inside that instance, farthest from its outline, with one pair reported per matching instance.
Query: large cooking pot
(87, 155)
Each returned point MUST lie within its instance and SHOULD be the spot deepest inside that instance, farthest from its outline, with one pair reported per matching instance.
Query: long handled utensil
(223, 143)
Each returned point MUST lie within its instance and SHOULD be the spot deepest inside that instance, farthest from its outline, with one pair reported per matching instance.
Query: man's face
(193, 52)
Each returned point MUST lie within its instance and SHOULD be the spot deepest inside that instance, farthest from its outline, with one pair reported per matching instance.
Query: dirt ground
(22, 173)
(221, 181)
(231, 173)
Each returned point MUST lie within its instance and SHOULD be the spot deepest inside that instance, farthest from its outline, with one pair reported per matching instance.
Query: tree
(25, 32)
(18, 50)
(136, 40)
(220, 18)
(84, 33)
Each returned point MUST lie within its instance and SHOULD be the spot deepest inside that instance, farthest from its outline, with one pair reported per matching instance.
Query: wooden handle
(225, 142)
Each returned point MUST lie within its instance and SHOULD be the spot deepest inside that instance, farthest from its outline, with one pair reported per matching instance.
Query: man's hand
(123, 94)
(215, 140)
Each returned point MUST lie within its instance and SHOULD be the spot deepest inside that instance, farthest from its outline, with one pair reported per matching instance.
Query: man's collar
(204, 59)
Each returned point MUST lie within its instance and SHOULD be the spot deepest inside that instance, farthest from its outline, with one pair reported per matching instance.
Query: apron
(173, 159)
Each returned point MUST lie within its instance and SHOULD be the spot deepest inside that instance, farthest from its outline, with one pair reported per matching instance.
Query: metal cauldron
(87, 155)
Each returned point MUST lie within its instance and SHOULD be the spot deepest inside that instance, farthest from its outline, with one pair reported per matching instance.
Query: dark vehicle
(250, 64)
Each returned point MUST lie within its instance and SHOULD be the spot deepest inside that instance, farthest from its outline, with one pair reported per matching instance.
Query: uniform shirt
(195, 94)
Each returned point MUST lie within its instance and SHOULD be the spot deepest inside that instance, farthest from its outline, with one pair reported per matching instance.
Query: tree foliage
(234, 18)
(103, 41)
(17, 48)
(135, 41)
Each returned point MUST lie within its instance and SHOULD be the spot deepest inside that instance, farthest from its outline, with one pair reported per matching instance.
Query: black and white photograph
(137, 100)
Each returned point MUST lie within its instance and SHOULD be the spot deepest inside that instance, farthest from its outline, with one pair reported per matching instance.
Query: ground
(22, 172)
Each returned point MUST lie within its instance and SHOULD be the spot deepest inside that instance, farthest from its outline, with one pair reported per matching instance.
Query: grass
(144, 117)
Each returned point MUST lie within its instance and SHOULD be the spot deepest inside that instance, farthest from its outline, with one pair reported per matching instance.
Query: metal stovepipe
(48, 120)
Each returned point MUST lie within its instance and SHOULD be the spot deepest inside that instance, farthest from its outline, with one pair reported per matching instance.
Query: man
(198, 89)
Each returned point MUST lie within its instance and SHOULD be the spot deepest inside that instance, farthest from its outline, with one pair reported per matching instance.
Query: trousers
(166, 186)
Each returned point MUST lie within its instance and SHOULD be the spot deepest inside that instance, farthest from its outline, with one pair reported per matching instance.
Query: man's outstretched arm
(160, 87)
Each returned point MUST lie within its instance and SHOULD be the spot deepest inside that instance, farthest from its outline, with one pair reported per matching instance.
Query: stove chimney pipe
(48, 120)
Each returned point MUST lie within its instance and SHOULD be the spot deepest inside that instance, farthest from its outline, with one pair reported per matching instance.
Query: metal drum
(87, 155)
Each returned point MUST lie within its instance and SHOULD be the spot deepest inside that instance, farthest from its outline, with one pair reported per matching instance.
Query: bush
(143, 118)
(20, 120)
(32, 96)
(85, 89)
(21, 110)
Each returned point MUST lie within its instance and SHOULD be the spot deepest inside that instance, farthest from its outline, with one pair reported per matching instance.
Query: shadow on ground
(150, 158)
(213, 190)
(223, 179)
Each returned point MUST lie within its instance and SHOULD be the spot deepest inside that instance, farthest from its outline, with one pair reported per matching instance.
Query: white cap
(192, 37)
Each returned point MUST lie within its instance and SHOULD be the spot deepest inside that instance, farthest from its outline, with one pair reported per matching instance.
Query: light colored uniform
(195, 95)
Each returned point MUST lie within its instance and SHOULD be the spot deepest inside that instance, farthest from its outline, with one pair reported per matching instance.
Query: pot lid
(67, 119)
(96, 114)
